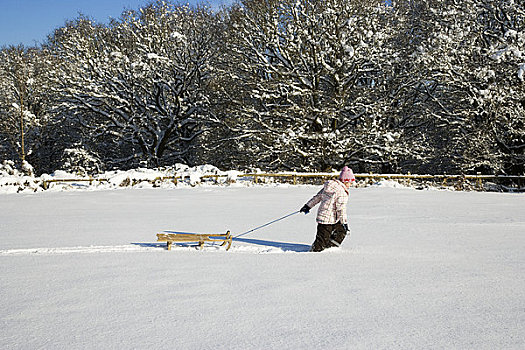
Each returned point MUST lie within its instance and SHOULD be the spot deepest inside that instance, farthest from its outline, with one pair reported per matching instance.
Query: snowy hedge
(13, 180)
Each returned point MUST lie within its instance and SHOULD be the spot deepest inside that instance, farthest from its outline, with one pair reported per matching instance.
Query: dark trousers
(328, 236)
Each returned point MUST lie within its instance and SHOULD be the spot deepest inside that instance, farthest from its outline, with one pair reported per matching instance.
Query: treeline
(404, 86)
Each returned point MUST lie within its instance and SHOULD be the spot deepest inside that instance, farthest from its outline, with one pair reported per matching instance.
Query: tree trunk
(23, 152)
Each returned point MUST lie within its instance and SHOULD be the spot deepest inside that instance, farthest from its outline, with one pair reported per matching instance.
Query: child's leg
(322, 239)
(338, 235)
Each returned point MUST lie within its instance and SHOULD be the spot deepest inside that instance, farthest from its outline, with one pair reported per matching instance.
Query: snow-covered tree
(501, 94)
(390, 86)
(138, 86)
(23, 105)
(303, 75)
(448, 88)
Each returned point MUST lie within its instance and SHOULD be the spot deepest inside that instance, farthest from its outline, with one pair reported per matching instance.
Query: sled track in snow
(141, 248)
(77, 250)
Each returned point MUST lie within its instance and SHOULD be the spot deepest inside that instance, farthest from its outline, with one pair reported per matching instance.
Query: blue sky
(30, 21)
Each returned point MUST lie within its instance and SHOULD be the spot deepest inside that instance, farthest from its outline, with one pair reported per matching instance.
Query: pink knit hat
(347, 175)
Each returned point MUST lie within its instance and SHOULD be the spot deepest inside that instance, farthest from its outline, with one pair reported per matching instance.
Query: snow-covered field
(422, 270)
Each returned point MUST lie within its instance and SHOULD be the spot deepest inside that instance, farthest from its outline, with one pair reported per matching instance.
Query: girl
(332, 223)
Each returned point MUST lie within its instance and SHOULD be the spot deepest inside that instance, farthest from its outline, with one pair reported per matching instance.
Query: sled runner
(170, 238)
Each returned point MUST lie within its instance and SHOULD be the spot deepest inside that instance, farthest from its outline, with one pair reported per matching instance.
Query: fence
(461, 182)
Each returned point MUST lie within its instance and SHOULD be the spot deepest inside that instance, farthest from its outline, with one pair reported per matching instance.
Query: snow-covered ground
(421, 270)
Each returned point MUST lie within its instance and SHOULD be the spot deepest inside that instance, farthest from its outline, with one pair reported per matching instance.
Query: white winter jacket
(333, 198)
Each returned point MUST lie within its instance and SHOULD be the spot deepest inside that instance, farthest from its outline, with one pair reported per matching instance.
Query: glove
(305, 209)
(347, 230)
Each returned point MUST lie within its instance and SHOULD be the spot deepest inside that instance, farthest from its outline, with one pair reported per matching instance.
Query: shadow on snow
(287, 247)
(291, 247)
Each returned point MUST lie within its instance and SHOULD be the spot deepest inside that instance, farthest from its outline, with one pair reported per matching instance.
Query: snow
(28, 168)
(117, 54)
(178, 36)
(422, 269)
(521, 70)
(153, 56)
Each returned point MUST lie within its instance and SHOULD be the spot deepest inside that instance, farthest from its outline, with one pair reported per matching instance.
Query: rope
(269, 223)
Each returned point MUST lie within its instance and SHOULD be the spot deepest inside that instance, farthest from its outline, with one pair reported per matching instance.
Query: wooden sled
(170, 238)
